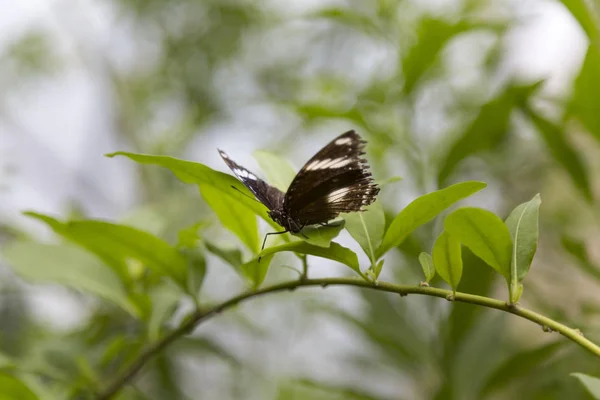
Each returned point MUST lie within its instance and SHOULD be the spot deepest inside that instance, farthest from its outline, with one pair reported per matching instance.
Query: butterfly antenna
(250, 197)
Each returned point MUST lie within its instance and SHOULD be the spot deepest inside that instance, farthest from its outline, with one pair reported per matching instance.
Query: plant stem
(201, 316)
(304, 275)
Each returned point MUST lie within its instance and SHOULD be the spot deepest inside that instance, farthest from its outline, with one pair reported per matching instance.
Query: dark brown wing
(268, 195)
(334, 181)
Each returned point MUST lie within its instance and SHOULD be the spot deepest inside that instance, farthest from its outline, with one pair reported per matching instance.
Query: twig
(201, 316)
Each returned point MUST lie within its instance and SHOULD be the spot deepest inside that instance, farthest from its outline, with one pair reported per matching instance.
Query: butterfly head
(284, 220)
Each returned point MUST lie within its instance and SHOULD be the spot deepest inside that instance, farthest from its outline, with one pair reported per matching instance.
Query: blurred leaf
(118, 244)
(256, 271)
(335, 252)
(321, 235)
(6, 361)
(488, 129)
(519, 366)
(447, 259)
(577, 249)
(432, 36)
(427, 264)
(348, 17)
(388, 181)
(189, 236)
(591, 383)
(13, 389)
(484, 233)
(367, 228)
(305, 389)
(146, 218)
(522, 224)
(422, 210)
(563, 152)
(233, 215)
(196, 266)
(279, 171)
(70, 266)
(231, 256)
(203, 346)
(587, 87)
(164, 299)
(33, 54)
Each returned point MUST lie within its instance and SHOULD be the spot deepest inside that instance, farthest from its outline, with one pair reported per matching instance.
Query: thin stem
(201, 316)
(304, 275)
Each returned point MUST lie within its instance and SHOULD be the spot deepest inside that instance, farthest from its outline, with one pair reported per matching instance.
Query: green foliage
(12, 389)
(423, 210)
(118, 245)
(334, 252)
(216, 187)
(592, 384)
(447, 259)
(586, 91)
(522, 224)
(367, 228)
(69, 266)
(562, 151)
(427, 265)
(207, 66)
(278, 170)
(484, 234)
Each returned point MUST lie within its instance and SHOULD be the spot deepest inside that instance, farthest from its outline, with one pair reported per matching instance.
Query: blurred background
(444, 90)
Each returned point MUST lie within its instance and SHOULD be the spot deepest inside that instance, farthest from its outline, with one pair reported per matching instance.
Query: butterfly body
(335, 180)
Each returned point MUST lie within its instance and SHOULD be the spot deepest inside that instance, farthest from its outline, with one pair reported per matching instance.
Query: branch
(200, 316)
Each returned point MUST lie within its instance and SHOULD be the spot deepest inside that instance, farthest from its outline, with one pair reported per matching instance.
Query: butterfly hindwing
(268, 195)
(334, 181)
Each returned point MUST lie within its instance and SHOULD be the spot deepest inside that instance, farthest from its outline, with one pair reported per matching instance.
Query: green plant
(146, 276)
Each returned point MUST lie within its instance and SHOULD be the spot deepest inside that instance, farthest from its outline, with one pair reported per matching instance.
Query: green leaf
(13, 389)
(255, 271)
(585, 93)
(70, 266)
(591, 383)
(196, 270)
(231, 256)
(189, 237)
(577, 249)
(522, 224)
(201, 175)
(334, 252)
(427, 264)
(321, 235)
(367, 228)
(484, 234)
(422, 210)
(562, 151)
(433, 35)
(117, 245)
(279, 171)
(447, 259)
(164, 299)
(488, 129)
(388, 181)
(233, 215)
(520, 365)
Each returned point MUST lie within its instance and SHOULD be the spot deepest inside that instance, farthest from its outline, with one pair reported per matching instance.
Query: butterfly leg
(302, 233)
(265, 239)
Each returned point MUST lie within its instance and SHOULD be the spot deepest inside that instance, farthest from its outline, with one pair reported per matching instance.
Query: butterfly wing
(265, 193)
(333, 181)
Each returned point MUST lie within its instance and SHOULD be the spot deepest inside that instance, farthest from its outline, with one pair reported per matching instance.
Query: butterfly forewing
(268, 195)
(334, 181)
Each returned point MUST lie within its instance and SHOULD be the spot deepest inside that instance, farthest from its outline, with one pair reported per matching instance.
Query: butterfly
(335, 180)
